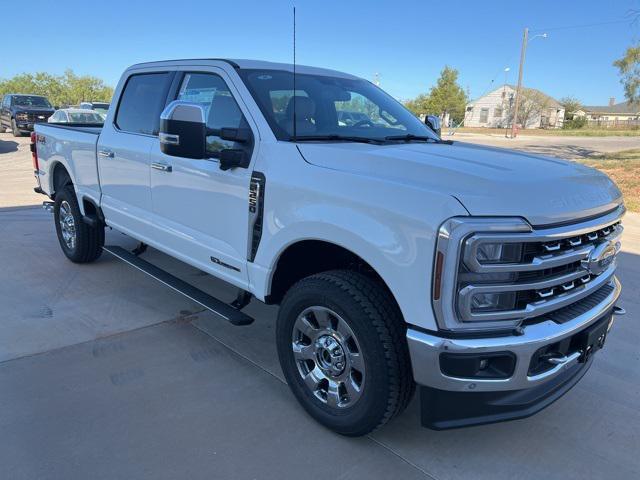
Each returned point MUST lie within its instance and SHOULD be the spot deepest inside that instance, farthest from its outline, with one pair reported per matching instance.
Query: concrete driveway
(105, 374)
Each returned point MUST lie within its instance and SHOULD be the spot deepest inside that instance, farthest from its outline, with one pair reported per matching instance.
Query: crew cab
(484, 276)
(21, 112)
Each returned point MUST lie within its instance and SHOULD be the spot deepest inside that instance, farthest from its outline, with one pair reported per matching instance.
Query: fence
(614, 123)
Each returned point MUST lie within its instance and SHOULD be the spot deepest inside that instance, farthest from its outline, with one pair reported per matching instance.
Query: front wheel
(14, 128)
(342, 348)
(80, 242)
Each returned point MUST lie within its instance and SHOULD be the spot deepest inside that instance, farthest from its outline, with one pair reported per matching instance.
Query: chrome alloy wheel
(67, 225)
(328, 357)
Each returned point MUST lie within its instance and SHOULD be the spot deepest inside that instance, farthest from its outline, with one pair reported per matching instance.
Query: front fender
(396, 238)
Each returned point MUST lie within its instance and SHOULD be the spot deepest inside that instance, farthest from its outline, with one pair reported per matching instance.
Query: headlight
(472, 270)
(22, 116)
(493, 302)
(487, 253)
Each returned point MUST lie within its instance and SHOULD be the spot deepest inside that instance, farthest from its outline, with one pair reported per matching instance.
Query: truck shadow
(566, 152)
(8, 146)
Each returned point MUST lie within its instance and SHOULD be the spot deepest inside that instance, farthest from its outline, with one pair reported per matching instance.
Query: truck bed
(82, 127)
(72, 146)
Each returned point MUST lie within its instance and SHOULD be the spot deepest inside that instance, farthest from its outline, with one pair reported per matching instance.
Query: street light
(525, 41)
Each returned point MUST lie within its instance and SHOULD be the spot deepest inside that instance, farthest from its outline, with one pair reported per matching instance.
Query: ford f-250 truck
(484, 276)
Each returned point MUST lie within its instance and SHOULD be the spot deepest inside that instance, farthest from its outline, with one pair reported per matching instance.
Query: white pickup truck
(484, 276)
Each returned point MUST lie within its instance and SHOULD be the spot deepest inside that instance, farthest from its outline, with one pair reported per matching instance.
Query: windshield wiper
(420, 138)
(336, 138)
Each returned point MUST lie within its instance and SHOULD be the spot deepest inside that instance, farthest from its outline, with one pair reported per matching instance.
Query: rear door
(202, 212)
(123, 152)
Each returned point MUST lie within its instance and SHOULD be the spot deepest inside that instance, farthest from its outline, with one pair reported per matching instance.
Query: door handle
(105, 153)
(162, 167)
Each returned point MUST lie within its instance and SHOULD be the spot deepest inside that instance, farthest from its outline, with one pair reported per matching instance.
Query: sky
(406, 42)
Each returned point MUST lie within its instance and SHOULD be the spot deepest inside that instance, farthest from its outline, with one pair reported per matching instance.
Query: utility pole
(523, 53)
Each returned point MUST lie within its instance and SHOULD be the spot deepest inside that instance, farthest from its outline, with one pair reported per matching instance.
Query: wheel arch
(307, 257)
(60, 177)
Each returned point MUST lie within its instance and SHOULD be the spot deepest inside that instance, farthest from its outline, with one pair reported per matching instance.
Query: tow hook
(619, 311)
(48, 206)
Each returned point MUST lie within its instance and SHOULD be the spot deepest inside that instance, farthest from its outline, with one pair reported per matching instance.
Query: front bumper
(24, 125)
(425, 350)
(30, 124)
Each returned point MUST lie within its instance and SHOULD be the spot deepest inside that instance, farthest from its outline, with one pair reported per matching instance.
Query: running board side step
(224, 310)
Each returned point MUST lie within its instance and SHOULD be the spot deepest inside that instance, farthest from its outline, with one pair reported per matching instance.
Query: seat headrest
(305, 108)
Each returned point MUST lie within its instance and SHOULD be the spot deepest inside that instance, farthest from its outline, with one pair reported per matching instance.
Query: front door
(202, 212)
(5, 112)
(123, 153)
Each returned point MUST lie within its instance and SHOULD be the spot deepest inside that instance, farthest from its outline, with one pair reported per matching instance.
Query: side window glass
(221, 109)
(141, 103)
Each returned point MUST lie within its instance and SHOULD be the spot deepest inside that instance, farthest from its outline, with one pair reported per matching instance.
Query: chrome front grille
(551, 268)
(38, 117)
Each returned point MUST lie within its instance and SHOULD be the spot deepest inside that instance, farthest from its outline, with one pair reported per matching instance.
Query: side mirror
(232, 158)
(433, 122)
(183, 130)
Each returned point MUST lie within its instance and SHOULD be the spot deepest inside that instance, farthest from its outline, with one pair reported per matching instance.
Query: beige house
(495, 110)
(612, 115)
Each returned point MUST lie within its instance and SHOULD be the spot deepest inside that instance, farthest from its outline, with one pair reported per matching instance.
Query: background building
(495, 110)
(613, 115)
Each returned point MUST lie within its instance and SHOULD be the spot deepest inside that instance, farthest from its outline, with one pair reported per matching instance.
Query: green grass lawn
(624, 168)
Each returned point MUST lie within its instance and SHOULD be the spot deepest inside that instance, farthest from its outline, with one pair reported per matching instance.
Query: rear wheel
(342, 348)
(80, 242)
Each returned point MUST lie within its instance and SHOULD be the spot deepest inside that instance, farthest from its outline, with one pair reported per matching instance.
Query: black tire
(88, 240)
(14, 128)
(377, 324)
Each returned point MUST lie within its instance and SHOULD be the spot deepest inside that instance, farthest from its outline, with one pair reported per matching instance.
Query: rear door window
(142, 101)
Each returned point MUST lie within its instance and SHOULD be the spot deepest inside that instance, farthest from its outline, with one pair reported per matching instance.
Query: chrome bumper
(425, 350)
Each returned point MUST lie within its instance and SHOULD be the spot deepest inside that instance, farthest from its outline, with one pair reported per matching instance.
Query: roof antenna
(295, 120)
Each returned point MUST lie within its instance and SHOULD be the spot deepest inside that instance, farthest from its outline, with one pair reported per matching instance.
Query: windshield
(330, 108)
(82, 117)
(31, 101)
(102, 108)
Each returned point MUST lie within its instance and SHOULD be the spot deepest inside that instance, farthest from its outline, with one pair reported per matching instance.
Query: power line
(584, 25)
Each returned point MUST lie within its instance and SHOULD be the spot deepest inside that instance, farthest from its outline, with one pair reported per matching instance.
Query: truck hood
(487, 181)
(21, 109)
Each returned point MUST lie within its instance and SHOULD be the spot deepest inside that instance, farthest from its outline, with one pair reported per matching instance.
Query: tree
(447, 96)
(629, 69)
(67, 89)
(571, 106)
(533, 103)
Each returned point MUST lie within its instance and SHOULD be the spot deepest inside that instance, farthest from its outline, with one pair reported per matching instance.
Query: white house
(495, 110)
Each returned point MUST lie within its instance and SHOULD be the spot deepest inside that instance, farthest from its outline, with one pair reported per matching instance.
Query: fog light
(493, 301)
(486, 365)
(488, 253)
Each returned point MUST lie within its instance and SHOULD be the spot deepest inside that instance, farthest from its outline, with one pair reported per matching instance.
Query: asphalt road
(106, 374)
(560, 146)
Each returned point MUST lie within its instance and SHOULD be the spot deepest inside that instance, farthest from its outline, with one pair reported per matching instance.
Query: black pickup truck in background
(21, 112)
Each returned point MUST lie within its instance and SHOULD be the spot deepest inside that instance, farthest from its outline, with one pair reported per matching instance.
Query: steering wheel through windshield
(363, 122)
